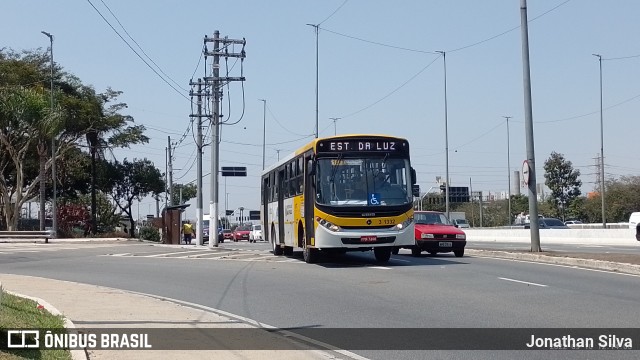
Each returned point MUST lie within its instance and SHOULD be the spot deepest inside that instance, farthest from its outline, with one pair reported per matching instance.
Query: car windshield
(243, 228)
(430, 218)
(226, 231)
(257, 227)
(461, 221)
(205, 223)
(376, 181)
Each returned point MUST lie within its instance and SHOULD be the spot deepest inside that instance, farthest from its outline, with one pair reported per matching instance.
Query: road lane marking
(380, 267)
(522, 282)
(558, 265)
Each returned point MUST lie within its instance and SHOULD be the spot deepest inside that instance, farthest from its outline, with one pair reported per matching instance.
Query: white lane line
(380, 267)
(403, 260)
(218, 254)
(522, 282)
(558, 265)
(176, 253)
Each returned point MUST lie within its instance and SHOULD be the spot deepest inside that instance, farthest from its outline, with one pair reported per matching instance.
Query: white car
(256, 233)
(461, 223)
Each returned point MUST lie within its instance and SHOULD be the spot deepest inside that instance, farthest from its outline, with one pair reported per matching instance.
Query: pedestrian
(187, 231)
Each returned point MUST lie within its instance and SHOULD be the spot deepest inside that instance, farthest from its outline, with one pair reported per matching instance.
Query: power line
(135, 52)
(334, 12)
(140, 47)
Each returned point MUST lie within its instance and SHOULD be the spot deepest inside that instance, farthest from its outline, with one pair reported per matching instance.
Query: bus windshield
(363, 181)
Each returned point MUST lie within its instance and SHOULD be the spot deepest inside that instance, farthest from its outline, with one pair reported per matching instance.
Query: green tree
(25, 110)
(189, 191)
(133, 180)
(563, 181)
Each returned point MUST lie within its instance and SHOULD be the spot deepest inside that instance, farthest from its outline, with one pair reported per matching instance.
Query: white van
(634, 219)
(256, 233)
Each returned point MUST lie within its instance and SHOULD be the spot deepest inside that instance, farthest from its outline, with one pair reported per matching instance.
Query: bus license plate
(445, 243)
(368, 239)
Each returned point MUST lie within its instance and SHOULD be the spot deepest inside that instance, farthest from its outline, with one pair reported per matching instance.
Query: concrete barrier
(560, 236)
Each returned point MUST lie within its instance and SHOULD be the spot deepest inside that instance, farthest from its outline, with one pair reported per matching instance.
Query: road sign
(234, 171)
(526, 174)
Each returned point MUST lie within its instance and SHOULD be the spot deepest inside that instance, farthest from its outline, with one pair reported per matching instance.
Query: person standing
(187, 232)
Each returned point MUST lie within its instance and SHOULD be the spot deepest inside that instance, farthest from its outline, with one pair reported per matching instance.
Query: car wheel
(383, 254)
(458, 253)
(415, 251)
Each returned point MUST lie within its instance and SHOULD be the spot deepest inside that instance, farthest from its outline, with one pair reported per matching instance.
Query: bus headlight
(404, 224)
(327, 224)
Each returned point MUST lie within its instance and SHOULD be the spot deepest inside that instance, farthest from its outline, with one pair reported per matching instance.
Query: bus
(338, 194)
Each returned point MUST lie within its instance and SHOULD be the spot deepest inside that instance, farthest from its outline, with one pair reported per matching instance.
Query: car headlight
(404, 224)
(461, 236)
(426, 236)
(327, 224)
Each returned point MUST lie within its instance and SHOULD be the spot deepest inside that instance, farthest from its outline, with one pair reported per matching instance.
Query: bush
(149, 233)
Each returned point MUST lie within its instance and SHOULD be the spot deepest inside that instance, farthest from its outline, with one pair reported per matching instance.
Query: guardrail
(36, 234)
(561, 236)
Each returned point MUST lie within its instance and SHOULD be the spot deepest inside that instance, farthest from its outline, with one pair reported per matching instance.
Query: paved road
(632, 248)
(352, 291)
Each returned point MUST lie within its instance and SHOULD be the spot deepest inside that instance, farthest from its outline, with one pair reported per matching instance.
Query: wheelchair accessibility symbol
(374, 199)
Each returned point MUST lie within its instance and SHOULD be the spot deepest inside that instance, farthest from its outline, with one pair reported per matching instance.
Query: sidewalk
(90, 306)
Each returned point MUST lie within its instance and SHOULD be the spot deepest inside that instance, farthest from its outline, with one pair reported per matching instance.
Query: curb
(68, 324)
(624, 268)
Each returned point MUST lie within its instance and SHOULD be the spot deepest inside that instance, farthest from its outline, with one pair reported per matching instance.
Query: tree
(133, 181)
(189, 191)
(563, 181)
(27, 125)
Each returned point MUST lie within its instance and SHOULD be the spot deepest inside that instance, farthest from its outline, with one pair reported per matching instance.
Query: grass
(20, 313)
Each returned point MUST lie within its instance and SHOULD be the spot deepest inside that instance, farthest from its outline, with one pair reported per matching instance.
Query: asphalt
(92, 307)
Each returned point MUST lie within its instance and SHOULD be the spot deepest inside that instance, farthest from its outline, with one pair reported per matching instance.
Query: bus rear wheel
(383, 254)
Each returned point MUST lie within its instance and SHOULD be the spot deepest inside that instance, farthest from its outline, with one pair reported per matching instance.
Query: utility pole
(264, 131)
(170, 170)
(446, 135)
(317, 28)
(220, 48)
(199, 213)
(508, 173)
(54, 209)
(528, 112)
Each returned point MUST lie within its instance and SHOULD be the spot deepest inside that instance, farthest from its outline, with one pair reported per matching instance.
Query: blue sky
(378, 74)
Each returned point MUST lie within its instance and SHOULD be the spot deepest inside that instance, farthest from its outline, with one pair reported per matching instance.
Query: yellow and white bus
(338, 194)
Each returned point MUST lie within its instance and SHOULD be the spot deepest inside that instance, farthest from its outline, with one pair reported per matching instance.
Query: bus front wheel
(277, 250)
(310, 254)
(383, 254)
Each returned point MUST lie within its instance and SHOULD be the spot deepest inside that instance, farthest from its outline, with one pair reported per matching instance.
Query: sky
(379, 72)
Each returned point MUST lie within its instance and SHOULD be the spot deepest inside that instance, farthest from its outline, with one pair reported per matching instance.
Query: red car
(434, 233)
(227, 234)
(241, 233)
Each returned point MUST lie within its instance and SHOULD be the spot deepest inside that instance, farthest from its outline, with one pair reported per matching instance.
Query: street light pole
(604, 221)
(264, 127)
(54, 210)
(316, 27)
(335, 129)
(508, 172)
(446, 135)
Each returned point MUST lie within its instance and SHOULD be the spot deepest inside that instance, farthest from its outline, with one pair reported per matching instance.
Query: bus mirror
(415, 189)
(414, 179)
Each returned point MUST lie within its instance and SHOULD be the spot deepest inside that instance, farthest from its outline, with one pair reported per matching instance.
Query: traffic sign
(234, 171)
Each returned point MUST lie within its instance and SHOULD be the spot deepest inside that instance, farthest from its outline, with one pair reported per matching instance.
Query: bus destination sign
(363, 145)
